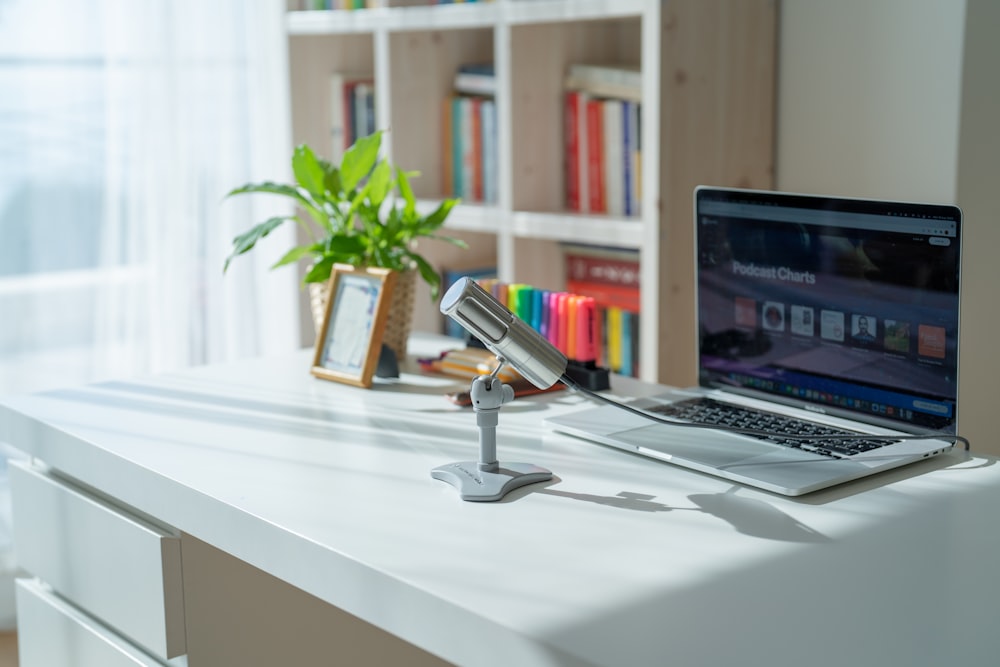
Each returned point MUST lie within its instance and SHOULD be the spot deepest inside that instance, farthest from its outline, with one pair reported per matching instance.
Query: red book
(595, 156)
(572, 109)
(607, 296)
(604, 269)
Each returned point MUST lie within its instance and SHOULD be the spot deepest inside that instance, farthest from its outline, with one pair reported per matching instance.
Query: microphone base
(477, 485)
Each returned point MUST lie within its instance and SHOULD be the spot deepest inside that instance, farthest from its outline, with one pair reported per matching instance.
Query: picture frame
(350, 340)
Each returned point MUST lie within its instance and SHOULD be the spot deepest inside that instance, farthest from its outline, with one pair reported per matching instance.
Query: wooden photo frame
(348, 346)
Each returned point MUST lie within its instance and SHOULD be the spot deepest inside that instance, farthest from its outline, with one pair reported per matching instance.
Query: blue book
(627, 342)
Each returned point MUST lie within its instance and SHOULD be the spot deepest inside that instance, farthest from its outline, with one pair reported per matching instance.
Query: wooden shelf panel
(458, 16)
(595, 229)
(433, 17)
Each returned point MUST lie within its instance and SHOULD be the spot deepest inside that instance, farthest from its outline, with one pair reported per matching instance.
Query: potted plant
(361, 212)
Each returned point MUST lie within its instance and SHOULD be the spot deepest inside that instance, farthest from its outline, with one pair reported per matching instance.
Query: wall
(979, 197)
(898, 99)
(868, 97)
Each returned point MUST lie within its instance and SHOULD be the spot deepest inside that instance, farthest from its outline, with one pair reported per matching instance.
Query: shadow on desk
(746, 515)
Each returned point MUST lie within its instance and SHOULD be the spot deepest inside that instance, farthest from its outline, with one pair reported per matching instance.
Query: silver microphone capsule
(503, 333)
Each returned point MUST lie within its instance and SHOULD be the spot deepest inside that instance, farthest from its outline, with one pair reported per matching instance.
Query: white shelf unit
(708, 98)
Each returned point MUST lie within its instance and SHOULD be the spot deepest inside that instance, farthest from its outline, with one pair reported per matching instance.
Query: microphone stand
(488, 479)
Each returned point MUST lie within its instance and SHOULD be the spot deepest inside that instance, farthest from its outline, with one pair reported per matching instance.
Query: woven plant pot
(400, 321)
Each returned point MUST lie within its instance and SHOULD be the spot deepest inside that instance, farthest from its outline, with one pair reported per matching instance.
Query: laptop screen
(844, 305)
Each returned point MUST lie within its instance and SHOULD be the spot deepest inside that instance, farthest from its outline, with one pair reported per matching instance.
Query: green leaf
(345, 245)
(380, 182)
(320, 271)
(270, 188)
(290, 191)
(428, 273)
(403, 181)
(393, 226)
(359, 159)
(331, 178)
(438, 216)
(459, 243)
(248, 239)
(297, 253)
(308, 172)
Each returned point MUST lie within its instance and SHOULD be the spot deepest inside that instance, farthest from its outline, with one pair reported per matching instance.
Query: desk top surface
(619, 560)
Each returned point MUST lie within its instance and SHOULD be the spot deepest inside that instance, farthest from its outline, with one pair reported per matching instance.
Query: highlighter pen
(536, 309)
(553, 308)
(543, 297)
(514, 291)
(520, 300)
(561, 309)
(572, 319)
(500, 293)
(586, 345)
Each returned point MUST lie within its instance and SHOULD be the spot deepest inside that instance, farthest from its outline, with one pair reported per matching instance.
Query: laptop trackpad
(704, 446)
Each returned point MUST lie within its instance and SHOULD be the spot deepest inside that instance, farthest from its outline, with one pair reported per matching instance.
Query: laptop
(816, 315)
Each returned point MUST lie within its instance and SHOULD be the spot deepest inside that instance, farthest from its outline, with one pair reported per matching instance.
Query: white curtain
(123, 123)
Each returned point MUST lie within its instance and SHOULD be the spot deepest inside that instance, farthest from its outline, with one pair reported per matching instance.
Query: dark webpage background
(770, 267)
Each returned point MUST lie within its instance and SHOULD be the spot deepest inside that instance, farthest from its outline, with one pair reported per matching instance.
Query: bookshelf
(708, 86)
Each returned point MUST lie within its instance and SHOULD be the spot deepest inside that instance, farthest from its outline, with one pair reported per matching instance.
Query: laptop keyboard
(717, 413)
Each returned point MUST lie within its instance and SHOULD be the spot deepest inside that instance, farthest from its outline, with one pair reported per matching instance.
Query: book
(596, 264)
(468, 146)
(571, 136)
(457, 149)
(476, 79)
(605, 295)
(342, 133)
(576, 150)
(614, 338)
(488, 111)
(630, 157)
(447, 161)
(595, 157)
(364, 109)
(627, 341)
(476, 134)
(621, 82)
(612, 136)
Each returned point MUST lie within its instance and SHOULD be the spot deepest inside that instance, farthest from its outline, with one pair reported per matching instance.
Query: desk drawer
(53, 632)
(113, 565)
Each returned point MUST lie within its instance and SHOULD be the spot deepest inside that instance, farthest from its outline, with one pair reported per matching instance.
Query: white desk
(618, 561)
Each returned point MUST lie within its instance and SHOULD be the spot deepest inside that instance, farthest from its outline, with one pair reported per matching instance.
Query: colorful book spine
(572, 104)
(614, 181)
(614, 338)
(603, 81)
(633, 157)
(475, 166)
(447, 155)
(595, 157)
(488, 109)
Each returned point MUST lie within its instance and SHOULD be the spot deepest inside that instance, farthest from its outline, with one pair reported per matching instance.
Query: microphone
(503, 333)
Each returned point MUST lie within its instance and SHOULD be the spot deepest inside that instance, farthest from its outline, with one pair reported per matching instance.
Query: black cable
(572, 384)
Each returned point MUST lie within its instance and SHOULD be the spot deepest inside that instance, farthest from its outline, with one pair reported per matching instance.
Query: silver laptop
(816, 315)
